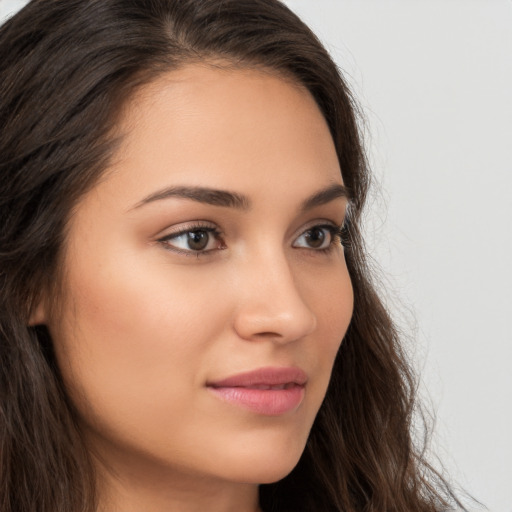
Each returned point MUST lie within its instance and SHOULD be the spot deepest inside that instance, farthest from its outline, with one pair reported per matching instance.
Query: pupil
(197, 240)
(315, 237)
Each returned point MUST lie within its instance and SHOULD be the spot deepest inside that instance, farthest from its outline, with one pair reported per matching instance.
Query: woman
(188, 322)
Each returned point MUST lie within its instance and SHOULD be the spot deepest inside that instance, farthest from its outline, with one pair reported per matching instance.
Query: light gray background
(435, 80)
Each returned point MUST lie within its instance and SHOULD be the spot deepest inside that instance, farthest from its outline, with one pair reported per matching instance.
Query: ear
(38, 315)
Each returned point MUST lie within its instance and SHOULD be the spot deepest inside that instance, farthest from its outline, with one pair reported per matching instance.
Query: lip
(270, 391)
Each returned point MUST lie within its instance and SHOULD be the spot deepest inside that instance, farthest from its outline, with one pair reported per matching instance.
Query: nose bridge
(271, 304)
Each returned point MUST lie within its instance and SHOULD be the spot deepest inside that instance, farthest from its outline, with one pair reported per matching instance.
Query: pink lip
(269, 391)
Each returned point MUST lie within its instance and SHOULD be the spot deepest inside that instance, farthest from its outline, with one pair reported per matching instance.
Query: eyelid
(185, 227)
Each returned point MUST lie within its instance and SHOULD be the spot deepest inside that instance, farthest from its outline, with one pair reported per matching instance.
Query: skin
(143, 324)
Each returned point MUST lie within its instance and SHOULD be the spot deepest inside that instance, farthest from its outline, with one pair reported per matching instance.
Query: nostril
(268, 334)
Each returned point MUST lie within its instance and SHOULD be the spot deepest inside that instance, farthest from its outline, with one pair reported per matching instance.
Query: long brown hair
(66, 69)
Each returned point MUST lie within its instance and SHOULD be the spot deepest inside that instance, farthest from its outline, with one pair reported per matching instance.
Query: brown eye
(197, 240)
(317, 237)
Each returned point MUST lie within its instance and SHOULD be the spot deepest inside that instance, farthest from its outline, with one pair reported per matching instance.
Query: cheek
(133, 333)
(329, 294)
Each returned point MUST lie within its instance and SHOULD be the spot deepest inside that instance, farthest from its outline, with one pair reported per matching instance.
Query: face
(205, 287)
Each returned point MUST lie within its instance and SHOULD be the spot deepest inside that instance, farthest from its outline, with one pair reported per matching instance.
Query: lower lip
(269, 402)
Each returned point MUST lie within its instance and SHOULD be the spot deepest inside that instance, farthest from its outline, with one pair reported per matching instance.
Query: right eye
(194, 240)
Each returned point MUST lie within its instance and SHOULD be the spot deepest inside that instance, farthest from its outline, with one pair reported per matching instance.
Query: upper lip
(269, 376)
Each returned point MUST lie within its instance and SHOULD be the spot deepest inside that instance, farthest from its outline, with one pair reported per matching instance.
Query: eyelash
(336, 233)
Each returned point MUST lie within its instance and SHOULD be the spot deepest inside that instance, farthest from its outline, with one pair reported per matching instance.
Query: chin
(266, 464)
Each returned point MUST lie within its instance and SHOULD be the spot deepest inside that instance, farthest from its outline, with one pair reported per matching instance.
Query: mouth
(271, 391)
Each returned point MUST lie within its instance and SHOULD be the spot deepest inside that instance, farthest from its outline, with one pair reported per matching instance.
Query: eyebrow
(227, 199)
(206, 195)
(325, 196)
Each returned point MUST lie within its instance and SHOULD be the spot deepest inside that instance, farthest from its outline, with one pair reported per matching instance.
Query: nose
(270, 303)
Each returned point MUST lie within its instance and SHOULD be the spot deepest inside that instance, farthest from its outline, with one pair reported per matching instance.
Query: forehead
(209, 126)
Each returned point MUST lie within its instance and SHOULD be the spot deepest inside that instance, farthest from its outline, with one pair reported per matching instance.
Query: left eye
(317, 237)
